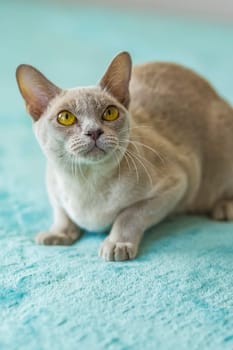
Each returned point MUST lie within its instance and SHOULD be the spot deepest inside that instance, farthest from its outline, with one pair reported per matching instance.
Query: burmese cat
(123, 155)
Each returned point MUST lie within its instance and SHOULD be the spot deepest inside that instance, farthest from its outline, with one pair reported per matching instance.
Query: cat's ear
(117, 77)
(36, 89)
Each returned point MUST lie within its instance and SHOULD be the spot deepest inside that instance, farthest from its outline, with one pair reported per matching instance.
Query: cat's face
(83, 125)
(80, 125)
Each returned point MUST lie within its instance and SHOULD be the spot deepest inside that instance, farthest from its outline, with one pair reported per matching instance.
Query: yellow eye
(110, 114)
(66, 118)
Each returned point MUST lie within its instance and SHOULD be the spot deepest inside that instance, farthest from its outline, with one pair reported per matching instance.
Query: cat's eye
(66, 118)
(110, 114)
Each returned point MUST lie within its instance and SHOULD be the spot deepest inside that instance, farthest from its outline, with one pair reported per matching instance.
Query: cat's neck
(87, 173)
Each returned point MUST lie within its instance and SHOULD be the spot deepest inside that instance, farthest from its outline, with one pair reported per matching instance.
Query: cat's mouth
(90, 152)
(95, 151)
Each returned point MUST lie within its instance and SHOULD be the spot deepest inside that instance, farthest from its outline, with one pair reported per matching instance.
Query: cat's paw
(117, 251)
(223, 210)
(50, 238)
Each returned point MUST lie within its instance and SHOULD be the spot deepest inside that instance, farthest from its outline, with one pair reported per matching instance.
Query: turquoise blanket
(178, 294)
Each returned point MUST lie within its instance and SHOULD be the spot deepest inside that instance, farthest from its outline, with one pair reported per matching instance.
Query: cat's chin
(95, 151)
(94, 155)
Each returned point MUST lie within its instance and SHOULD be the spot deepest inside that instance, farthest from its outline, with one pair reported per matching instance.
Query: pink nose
(94, 134)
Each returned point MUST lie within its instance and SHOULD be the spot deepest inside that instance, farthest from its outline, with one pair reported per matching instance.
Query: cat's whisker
(81, 172)
(118, 163)
(127, 160)
(151, 149)
(140, 159)
(73, 166)
(112, 140)
(124, 155)
(139, 155)
(134, 164)
(142, 164)
(125, 152)
(134, 127)
(136, 147)
(66, 161)
(135, 142)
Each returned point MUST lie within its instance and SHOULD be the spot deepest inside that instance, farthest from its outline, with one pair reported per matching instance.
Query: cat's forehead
(83, 99)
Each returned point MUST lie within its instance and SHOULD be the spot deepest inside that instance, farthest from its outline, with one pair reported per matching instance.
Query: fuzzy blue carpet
(178, 294)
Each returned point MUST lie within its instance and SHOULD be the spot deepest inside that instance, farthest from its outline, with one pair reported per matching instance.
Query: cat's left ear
(36, 89)
(117, 77)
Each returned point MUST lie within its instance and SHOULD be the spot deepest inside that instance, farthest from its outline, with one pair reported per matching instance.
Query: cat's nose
(94, 134)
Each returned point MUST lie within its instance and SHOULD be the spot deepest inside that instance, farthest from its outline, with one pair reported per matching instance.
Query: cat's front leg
(124, 238)
(62, 232)
(127, 231)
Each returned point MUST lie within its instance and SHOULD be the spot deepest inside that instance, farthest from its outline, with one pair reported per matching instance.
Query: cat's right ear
(117, 77)
(36, 89)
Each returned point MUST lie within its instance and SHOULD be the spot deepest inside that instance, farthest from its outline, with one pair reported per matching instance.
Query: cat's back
(172, 79)
(178, 102)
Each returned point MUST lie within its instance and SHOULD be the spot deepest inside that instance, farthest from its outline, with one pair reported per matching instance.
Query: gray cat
(123, 155)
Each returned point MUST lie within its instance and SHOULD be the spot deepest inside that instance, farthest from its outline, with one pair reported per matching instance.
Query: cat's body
(186, 111)
(172, 152)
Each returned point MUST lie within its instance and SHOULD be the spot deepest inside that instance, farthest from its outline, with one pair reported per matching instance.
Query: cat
(144, 143)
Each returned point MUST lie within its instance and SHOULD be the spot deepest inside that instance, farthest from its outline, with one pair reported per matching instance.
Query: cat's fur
(170, 151)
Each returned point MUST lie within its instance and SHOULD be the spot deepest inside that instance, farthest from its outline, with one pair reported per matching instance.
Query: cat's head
(84, 124)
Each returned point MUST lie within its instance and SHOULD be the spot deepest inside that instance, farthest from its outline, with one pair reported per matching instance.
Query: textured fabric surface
(178, 294)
